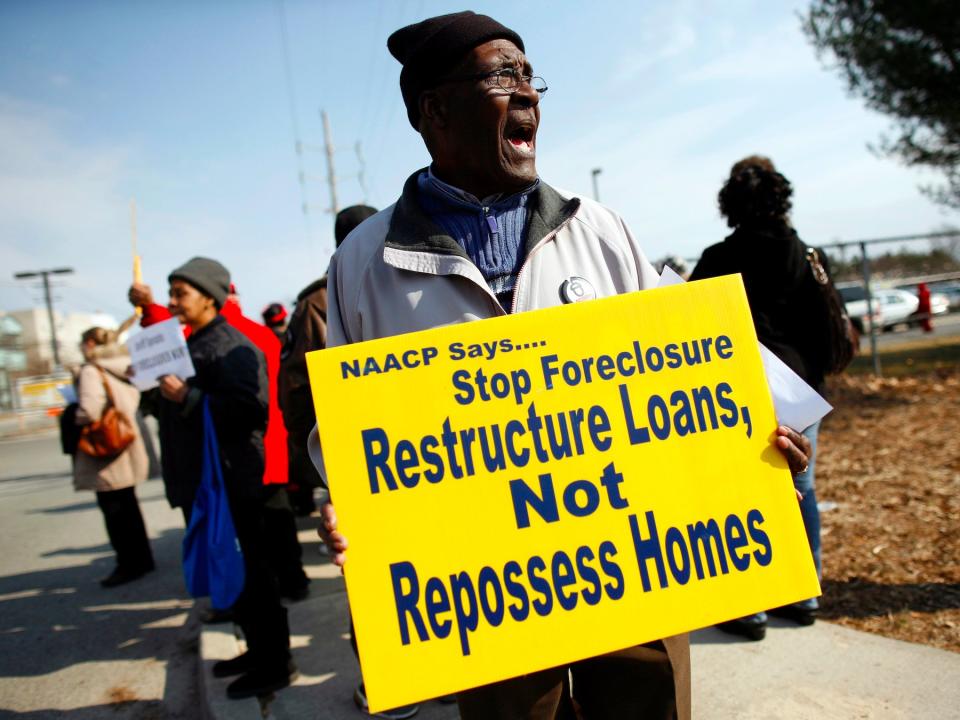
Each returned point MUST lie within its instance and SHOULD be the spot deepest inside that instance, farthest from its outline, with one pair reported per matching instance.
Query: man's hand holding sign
(517, 499)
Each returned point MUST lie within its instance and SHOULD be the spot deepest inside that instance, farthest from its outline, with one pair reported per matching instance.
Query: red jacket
(275, 440)
(152, 314)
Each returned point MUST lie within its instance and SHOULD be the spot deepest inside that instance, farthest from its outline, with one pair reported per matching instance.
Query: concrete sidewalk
(823, 672)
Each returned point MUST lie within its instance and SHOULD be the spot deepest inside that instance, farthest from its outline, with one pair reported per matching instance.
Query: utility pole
(331, 174)
(361, 178)
(48, 298)
(593, 176)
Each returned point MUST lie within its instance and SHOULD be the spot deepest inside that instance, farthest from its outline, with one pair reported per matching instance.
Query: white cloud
(58, 201)
(64, 202)
(67, 203)
(49, 189)
(779, 54)
(680, 39)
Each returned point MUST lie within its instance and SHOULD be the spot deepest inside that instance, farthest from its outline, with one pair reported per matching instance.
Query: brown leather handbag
(111, 434)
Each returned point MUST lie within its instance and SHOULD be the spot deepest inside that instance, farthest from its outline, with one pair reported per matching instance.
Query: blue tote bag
(212, 560)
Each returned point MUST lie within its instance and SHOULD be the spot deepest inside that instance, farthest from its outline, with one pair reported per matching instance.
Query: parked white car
(855, 301)
(939, 303)
(952, 294)
(897, 306)
(891, 307)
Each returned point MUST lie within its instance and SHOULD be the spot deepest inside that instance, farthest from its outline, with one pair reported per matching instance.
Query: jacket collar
(216, 322)
(462, 196)
(412, 230)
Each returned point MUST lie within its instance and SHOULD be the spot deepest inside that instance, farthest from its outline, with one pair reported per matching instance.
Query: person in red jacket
(279, 519)
(276, 437)
(923, 308)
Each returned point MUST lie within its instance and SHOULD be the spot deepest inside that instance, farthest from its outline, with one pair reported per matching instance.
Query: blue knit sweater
(491, 231)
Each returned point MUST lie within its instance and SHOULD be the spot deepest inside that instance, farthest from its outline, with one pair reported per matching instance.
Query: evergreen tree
(903, 58)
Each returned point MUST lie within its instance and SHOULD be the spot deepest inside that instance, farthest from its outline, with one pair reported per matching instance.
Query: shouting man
(477, 235)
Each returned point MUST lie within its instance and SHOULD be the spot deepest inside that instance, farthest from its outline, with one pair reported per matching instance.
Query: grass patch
(916, 358)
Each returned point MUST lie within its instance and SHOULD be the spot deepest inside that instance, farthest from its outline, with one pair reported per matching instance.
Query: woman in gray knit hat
(231, 378)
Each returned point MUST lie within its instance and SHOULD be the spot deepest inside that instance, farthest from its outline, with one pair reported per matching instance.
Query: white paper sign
(159, 350)
(797, 404)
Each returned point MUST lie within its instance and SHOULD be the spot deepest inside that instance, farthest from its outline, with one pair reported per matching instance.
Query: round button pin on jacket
(577, 289)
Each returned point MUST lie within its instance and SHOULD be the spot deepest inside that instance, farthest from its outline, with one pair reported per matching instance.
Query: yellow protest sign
(536, 489)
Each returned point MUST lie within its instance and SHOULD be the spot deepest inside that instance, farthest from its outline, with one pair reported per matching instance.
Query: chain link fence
(880, 280)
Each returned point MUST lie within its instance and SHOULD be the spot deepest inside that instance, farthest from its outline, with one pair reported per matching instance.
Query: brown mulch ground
(890, 459)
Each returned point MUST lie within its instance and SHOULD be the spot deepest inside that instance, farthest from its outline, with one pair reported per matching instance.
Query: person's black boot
(235, 666)
(213, 616)
(799, 613)
(121, 577)
(259, 682)
(750, 629)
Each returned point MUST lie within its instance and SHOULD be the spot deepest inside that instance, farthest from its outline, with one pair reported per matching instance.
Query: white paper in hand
(159, 350)
(797, 404)
(68, 393)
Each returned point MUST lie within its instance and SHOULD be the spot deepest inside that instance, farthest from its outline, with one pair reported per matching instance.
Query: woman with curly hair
(765, 249)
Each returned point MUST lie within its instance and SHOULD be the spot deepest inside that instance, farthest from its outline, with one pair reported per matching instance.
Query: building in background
(13, 359)
(29, 377)
(36, 336)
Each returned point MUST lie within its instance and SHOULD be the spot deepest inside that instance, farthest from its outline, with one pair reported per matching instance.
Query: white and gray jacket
(400, 272)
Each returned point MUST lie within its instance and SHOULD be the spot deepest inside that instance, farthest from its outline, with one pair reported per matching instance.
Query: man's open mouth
(522, 137)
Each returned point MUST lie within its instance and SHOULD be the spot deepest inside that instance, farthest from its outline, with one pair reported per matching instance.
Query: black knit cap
(348, 219)
(429, 49)
(206, 275)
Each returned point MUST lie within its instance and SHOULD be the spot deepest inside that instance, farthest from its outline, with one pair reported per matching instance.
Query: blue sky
(184, 107)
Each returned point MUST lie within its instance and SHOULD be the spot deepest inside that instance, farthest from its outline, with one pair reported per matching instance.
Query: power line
(379, 84)
(377, 125)
(370, 68)
(386, 95)
(294, 121)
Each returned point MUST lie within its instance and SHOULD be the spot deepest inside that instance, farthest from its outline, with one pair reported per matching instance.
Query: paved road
(943, 326)
(69, 648)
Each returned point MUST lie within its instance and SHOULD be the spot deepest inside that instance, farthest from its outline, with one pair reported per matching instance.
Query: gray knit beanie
(206, 275)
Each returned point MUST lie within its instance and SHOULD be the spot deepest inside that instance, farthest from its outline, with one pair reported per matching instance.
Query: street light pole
(48, 298)
(593, 176)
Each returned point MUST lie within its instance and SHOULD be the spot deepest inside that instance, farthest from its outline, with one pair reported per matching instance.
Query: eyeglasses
(508, 79)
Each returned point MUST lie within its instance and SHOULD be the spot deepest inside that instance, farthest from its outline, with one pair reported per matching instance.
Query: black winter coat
(231, 372)
(779, 285)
